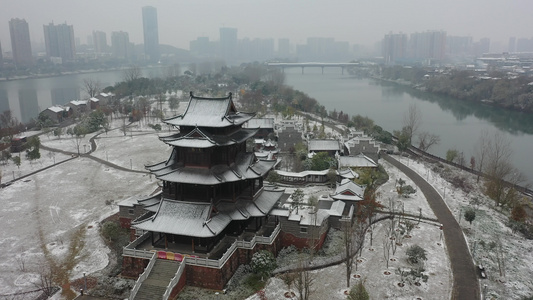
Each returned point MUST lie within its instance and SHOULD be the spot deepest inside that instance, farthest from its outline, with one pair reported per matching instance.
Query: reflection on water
(60, 96)
(28, 104)
(509, 121)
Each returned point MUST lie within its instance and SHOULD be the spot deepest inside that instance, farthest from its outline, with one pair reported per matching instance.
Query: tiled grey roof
(324, 145)
(245, 167)
(201, 220)
(260, 123)
(210, 112)
(199, 138)
(357, 161)
(348, 190)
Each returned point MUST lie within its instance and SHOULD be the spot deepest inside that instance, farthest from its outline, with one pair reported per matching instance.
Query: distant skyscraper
(120, 43)
(99, 41)
(151, 33)
(283, 48)
(458, 46)
(394, 47)
(228, 43)
(20, 42)
(427, 45)
(200, 46)
(1, 56)
(59, 41)
(512, 44)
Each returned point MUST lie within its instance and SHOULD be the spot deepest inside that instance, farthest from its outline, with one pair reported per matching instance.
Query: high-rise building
(394, 47)
(512, 45)
(458, 46)
(201, 46)
(482, 46)
(100, 41)
(151, 33)
(120, 43)
(59, 41)
(283, 47)
(524, 45)
(20, 42)
(228, 43)
(427, 45)
(1, 56)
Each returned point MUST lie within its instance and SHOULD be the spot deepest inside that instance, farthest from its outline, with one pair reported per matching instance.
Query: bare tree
(304, 280)
(132, 74)
(348, 238)
(411, 121)
(9, 124)
(500, 172)
(91, 86)
(46, 280)
(481, 149)
(427, 140)
(386, 249)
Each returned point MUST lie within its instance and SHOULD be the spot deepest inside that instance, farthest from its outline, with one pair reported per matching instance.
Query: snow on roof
(279, 212)
(260, 123)
(183, 218)
(358, 161)
(348, 190)
(336, 208)
(210, 112)
(94, 99)
(314, 219)
(302, 174)
(327, 145)
(347, 173)
(244, 168)
(78, 102)
(203, 219)
(56, 108)
(199, 138)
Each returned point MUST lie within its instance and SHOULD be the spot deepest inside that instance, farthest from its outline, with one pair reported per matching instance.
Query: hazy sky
(356, 21)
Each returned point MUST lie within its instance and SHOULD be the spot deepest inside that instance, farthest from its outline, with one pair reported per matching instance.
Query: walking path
(75, 155)
(465, 280)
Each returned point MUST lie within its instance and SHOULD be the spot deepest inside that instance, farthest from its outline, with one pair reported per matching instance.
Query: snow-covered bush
(263, 262)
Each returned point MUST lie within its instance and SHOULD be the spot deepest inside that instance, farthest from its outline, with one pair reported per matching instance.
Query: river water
(457, 123)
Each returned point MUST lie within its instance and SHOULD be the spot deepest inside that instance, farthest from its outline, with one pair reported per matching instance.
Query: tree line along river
(458, 123)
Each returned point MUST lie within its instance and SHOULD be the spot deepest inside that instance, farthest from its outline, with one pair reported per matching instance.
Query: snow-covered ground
(44, 210)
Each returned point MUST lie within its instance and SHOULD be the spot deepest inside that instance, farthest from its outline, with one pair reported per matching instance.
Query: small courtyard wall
(133, 266)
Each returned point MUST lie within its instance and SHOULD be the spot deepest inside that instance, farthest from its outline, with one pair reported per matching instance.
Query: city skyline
(351, 21)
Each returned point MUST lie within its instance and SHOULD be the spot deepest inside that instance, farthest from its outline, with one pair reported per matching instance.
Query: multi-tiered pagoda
(211, 187)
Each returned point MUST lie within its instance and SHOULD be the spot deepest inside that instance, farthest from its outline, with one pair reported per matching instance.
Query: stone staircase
(157, 281)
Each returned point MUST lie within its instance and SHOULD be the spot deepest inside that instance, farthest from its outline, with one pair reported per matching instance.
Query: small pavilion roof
(348, 190)
(199, 138)
(245, 167)
(210, 112)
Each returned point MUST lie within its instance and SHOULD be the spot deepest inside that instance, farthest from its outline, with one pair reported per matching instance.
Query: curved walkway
(73, 156)
(465, 280)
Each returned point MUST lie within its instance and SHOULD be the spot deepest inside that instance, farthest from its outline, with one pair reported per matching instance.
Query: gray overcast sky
(361, 22)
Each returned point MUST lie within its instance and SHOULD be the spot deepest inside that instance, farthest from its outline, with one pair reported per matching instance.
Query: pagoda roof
(210, 112)
(205, 219)
(200, 138)
(245, 167)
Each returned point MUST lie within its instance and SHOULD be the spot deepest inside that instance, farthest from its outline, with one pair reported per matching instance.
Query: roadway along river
(458, 124)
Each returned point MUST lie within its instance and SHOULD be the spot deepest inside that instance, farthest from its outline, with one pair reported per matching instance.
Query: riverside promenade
(465, 280)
